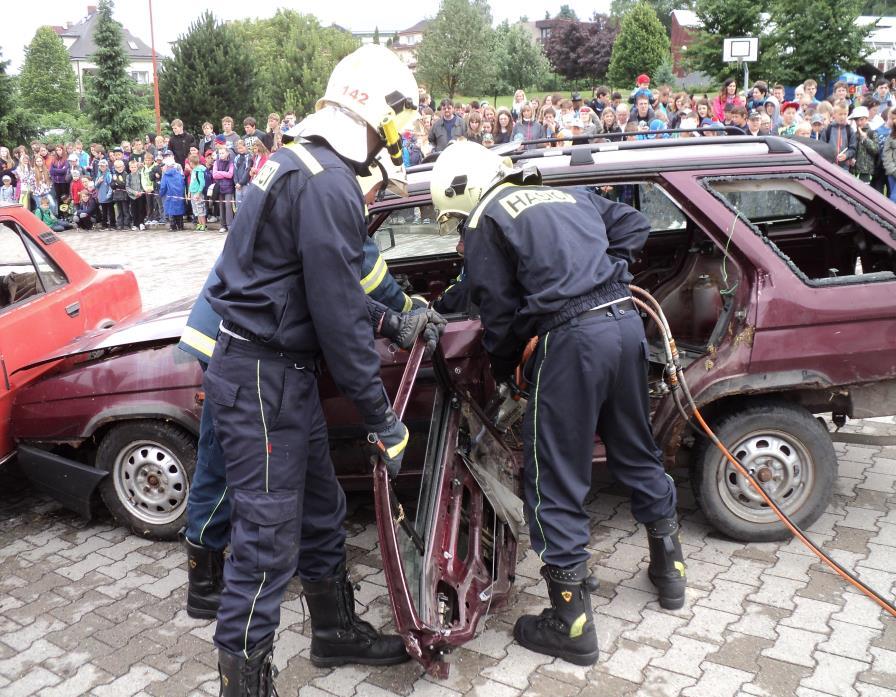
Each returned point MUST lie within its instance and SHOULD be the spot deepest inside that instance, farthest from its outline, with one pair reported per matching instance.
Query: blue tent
(852, 79)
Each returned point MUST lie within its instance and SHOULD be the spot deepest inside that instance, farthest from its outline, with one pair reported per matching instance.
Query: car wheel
(783, 446)
(150, 466)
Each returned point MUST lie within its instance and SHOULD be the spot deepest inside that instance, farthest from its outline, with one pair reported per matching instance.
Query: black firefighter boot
(338, 635)
(205, 569)
(248, 677)
(666, 570)
(566, 629)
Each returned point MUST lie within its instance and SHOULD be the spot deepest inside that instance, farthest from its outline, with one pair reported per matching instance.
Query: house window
(141, 77)
(132, 45)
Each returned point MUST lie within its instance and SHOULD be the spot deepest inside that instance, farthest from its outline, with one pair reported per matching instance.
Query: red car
(775, 269)
(48, 296)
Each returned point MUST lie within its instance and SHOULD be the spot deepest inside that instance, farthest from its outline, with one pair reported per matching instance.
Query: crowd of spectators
(149, 181)
(859, 126)
(160, 180)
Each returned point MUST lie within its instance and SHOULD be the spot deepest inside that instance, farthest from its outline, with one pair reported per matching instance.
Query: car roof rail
(582, 146)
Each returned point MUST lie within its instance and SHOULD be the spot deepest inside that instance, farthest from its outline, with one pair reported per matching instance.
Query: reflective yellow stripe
(306, 157)
(264, 577)
(372, 280)
(397, 448)
(212, 514)
(575, 630)
(408, 304)
(473, 220)
(264, 426)
(199, 341)
(544, 539)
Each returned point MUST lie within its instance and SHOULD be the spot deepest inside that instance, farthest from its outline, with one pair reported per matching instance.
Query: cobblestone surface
(86, 609)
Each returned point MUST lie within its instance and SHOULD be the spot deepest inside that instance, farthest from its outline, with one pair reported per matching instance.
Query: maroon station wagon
(775, 270)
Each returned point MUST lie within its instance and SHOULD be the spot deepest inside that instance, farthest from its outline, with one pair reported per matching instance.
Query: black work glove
(404, 328)
(390, 438)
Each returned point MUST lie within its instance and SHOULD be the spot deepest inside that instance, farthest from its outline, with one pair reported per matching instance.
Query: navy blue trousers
(283, 490)
(589, 374)
(208, 507)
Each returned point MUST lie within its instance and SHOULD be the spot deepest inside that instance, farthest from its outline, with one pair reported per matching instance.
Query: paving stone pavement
(87, 609)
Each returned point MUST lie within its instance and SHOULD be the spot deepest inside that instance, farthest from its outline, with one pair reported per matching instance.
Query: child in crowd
(242, 163)
(197, 189)
(8, 191)
(103, 184)
(222, 173)
(172, 192)
(157, 184)
(85, 213)
(841, 136)
(45, 214)
(119, 186)
(76, 186)
(66, 209)
(136, 195)
(147, 184)
(209, 193)
(788, 118)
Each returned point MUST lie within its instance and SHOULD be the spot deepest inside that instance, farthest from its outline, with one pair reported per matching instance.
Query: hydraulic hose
(675, 377)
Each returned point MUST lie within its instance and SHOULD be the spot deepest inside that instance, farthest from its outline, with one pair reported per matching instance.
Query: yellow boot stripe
(575, 631)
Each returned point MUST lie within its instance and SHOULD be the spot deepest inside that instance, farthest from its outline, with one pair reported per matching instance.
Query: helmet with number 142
(369, 88)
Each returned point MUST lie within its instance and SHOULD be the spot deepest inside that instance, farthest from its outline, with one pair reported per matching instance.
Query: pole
(155, 73)
(746, 77)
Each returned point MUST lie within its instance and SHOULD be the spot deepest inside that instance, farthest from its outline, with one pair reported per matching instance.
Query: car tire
(776, 438)
(151, 465)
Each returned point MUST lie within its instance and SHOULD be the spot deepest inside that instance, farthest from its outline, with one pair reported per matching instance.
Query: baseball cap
(755, 114)
(642, 79)
(576, 97)
(860, 112)
(817, 118)
(6, 178)
(789, 105)
(73, 158)
(117, 149)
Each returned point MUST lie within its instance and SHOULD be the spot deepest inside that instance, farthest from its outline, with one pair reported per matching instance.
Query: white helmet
(369, 87)
(462, 175)
(382, 169)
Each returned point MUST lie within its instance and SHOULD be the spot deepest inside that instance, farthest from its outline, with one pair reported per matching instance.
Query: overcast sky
(172, 17)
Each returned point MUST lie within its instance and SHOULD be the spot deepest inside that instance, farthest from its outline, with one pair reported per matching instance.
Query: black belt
(622, 307)
(258, 344)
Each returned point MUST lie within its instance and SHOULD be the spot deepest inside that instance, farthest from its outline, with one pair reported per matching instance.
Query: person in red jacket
(727, 95)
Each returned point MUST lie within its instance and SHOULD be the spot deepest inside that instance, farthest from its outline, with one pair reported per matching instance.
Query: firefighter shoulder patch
(518, 201)
(264, 176)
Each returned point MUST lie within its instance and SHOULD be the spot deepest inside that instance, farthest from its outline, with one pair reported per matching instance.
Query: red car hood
(160, 325)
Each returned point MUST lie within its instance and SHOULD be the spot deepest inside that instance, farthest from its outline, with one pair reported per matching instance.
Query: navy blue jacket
(537, 256)
(290, 268)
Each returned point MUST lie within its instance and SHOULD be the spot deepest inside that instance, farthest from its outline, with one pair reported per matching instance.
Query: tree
(798, 57)
(111, 101)
(726, 18)
(47, 80)
(376, 35)
(641, 46)
(519, 62)
(582, 50)
(663, 9)
(16, 124)
(454, 53)
(292, 57)
(566, 12)
(664, 75)
(208, 75)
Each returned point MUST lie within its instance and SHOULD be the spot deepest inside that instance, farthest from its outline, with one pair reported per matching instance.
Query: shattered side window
(413, 232)
(824, 239)
(661, 210)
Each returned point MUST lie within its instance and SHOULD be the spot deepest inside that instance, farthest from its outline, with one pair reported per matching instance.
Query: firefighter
(208, 507)
(288, 293)
(554, 263)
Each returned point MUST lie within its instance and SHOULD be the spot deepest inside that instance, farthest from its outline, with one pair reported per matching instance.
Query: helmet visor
(450, 223)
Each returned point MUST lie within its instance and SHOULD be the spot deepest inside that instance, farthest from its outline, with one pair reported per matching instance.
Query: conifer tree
(209, 75)
(111, 100)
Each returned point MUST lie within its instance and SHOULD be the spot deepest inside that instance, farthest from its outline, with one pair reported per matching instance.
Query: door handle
(73, 310)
